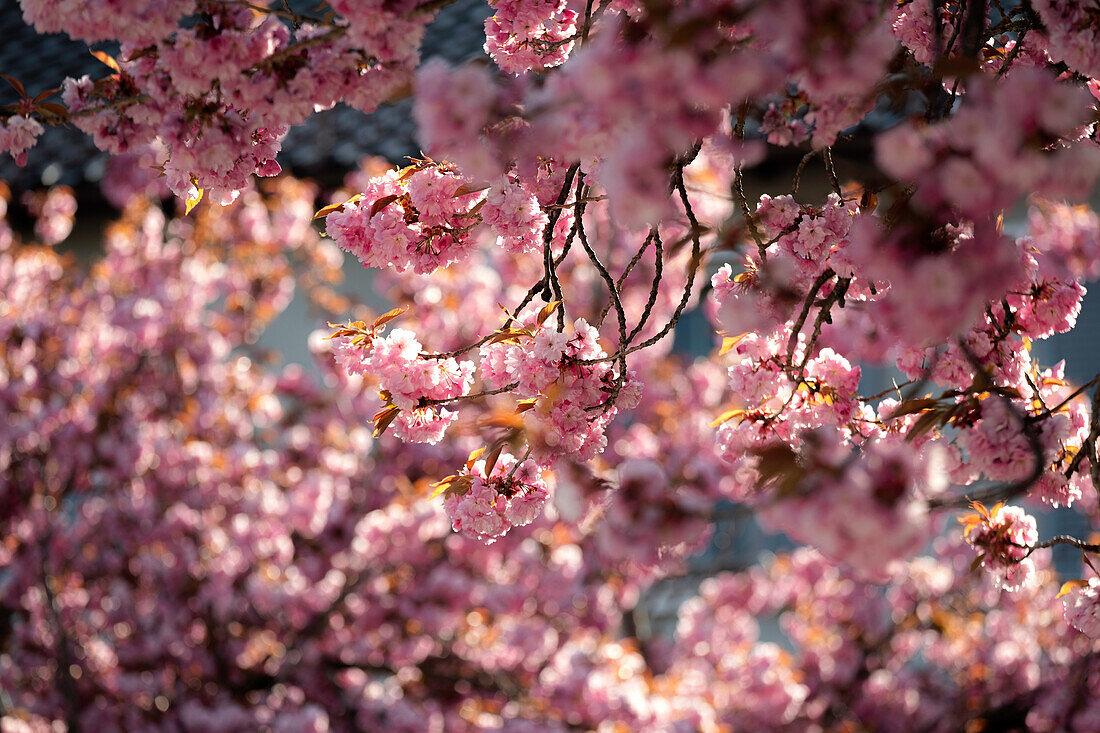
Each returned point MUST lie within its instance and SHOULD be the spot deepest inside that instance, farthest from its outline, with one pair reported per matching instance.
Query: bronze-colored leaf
(326, 210)
(492, 458)
(388, 316)
(911, 407)
(107, 59)
(465, 189)
(16, 84)
(48, 93)
(384, 418)
(546, 311)
(474, 455)
(383, 203)
(926, 423)
(54, 108)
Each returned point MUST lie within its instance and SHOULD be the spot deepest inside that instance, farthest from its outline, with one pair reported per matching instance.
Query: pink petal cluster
(488, 506)
(867, 511)
(530, 34)
(419, 219)
(54, 211)
(1082, 608)
(18, 134)
(1072, 33)
(1002, 536)
(409, 382)
(515, 216)
(576, 389)
(992, 150)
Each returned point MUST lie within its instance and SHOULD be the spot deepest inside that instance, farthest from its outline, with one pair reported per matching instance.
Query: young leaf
(492, 458)
(387, 317)
(108, 60)
(383, 419)
(43, 95)
(58, 110)
(468, 189)
(16, 84)
(192, 203)
(546, 311)
(326, 210)
(383, 203)
(441, 486)
(729, 342)
(727, 416)
(473, 458)
(1070, 585)
(911, 407)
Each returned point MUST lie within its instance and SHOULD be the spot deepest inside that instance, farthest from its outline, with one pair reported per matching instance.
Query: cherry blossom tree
(447, 523)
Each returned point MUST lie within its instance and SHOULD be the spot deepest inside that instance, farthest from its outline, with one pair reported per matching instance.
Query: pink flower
(1003, 536)
(17, 135)
(1082, 608)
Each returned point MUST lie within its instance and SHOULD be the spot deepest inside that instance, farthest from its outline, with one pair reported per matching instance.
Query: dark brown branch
(473, 396)
(1064, 539)
(622, 278)
(819, 283)
(659, 255)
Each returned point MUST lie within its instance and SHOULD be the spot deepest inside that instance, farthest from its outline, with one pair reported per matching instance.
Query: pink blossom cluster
(623, 110)
(485, 502)
(198, 539)
(868, 510)
(835, 52)
(653, 519)
(132, 176)
(54, 211)
(1082, 608)
(913, 26)
(428, 216)
(802, 242)
(1003, 537)
(515, 216)
(785, 396)
(997, 146)
(220, 94)
(17, 135)
(409, 383)
(259, 538)
(420, 218)
(855, 654)
(525, 35)
(125, 20)
(1072, 35)
(1068, 238)
(576, 390)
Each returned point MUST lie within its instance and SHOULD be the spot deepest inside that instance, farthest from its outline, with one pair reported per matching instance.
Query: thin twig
(819, 283)
(622, 277)
(1064, 539)
(659, 255)
(424, 402)
(1075, 394)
